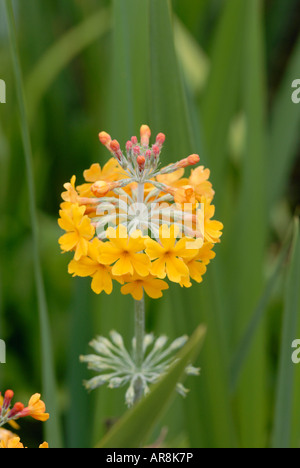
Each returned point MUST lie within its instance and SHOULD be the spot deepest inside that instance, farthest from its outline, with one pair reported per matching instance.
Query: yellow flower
(175, 179)
(36, 409)
(13, 443)
(79, 230)
(184, 195)
(123, 252)
(199, 181)
(111, 172)
(45, 445)
(71, 194)
(212, 228)
(169, 254)
(136, 286)
(5, 435)
(91, 266)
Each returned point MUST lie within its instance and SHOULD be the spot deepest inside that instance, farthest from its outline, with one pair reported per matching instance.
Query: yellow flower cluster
(127, 252)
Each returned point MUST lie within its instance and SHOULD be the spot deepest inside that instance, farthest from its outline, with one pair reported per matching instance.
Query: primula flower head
(138, 223)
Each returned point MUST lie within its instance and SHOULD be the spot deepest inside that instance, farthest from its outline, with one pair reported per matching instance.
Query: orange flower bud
(9, 394)
(141, 161)
(145, 135)
(160, 139)
(193, 159)
(115, 146)
(105, 138)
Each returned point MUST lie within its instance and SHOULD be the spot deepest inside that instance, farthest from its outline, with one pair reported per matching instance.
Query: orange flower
(36, 409)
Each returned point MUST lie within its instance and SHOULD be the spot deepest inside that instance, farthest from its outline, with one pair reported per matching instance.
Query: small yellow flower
(45, 445)
(91, 266)
(71, 194)
(79, 230)
(6, 435)
(197, 264)
(169, 254)
(13, 443)
(36, 408)
(136, 286)
(123, 252)
(111, 172)
(199, 181)
(175, 179)
(212, 228)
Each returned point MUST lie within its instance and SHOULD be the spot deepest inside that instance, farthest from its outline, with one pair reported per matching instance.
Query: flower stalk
(139, 345)
(139, 311)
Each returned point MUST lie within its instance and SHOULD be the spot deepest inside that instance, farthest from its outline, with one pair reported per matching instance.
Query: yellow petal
(68, 241)
(102, 281)
(83, 268)
(158, 268)
(81, 249)
(123, 266)
(176, 269)
(93, 174)
(197, 271)
(154, 249)
(141, 264)
(135, 289)
(154, 287)
(65, 221)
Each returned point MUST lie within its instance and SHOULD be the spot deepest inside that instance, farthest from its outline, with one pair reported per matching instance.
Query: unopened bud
(129, 146)
(193, 159)
(18, 408)
(115, 146)
(160, 139)
(134, 140)
(137, 150)
(8, 396)
(156, 150)
(105, 138)
(145, 135)
(141, 161)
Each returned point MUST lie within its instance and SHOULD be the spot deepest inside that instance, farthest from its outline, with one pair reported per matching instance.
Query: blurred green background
(215, 76)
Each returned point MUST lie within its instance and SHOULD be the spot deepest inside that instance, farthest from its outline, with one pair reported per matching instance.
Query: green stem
(139, 323)
(139, 332)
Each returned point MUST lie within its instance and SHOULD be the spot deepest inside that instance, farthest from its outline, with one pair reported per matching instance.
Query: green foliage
(216, 78)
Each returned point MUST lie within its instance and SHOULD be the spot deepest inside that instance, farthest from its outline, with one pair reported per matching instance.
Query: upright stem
(139, 323)
(139, 332)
